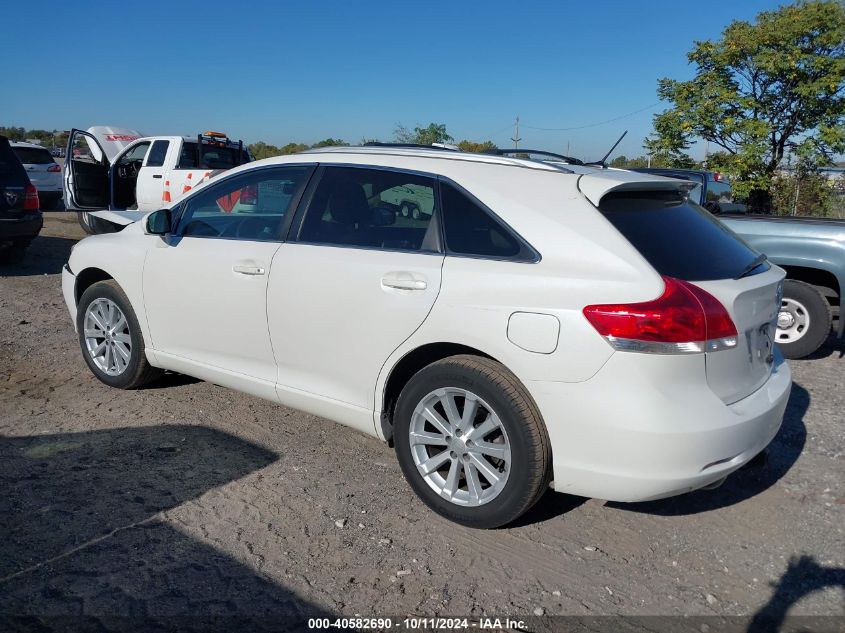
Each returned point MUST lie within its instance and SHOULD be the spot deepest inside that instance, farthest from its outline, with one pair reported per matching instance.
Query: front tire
(471, 441)
(110, 337)
(804, 319)
(93, 225)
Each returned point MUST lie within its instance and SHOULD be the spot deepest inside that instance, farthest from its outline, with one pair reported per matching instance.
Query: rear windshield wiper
(757, 261)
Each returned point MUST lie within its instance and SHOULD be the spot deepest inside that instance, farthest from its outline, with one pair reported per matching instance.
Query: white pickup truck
(114, 176)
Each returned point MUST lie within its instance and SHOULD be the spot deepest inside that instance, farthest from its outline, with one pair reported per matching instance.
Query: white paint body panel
(534, 332)
(321, 333)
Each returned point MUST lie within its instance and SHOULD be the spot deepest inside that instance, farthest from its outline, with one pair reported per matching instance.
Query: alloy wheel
(460, 446)
(107, 337)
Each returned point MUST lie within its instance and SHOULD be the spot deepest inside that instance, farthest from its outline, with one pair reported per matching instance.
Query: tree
(763, 90)
(434, 133)
(477, 147)
(330, 142)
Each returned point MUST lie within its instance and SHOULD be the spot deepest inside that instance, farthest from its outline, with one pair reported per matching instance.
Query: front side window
(470, 230)
(372, 208)
(719, 192)
(136, 154)
(158, 152)
(250, 206)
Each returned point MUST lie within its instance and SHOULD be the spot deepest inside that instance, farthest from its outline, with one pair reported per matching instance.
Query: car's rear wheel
(471, 441)
(110, 337)
(804, 319)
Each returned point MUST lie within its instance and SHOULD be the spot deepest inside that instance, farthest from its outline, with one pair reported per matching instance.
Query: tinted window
(33, 155)
(158, 153)
(213, 157)
(719, 192)
(372, 208)
(678, 238)
(471, 230)
(250, 206)
(10, 165)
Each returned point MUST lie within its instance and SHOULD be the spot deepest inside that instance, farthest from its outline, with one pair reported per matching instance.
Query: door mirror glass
(158, 222)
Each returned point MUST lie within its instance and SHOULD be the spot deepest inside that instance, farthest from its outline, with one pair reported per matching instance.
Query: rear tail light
(30, 199)
(54, 169)
(685, 319)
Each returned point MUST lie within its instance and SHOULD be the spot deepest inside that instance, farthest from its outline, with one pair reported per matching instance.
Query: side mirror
(382, 216)
(158, 222)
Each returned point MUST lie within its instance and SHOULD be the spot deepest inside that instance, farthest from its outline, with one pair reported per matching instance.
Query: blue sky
(302, 71)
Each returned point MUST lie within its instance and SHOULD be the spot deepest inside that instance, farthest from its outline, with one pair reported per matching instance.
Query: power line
(582, 127)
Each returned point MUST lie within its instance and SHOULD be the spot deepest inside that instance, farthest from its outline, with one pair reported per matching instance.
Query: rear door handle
(404, 281)
(248, 270)
(156, 175)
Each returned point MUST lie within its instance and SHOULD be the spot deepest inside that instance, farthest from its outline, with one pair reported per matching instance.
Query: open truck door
(87, 174)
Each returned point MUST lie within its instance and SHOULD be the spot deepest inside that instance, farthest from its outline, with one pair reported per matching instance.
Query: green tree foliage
(434, 133)
(330, 142)
(476, 146)
(765, 89)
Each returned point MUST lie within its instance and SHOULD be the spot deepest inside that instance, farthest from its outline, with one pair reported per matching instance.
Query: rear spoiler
(596, 186)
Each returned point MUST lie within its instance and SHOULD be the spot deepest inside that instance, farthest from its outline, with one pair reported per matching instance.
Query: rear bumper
(648, 427)
(25, 228)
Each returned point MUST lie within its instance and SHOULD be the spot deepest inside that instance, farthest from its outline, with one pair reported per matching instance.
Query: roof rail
(539, 152)
(440, 146)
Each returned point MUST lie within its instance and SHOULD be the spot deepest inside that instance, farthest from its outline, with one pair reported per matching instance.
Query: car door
(205, 286)
(150, 183)
(355, 279)
(86, 176)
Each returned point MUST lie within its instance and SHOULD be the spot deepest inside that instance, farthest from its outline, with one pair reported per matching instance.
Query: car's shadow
(783, 452)
(45, 256)
(85, 546)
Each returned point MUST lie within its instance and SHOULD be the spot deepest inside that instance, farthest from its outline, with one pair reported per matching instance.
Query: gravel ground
(188, 499)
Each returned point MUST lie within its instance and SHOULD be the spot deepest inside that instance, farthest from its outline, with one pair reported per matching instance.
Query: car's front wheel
(471, 442)
(110, 337)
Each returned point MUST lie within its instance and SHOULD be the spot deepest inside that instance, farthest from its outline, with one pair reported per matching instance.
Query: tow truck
(114, 176)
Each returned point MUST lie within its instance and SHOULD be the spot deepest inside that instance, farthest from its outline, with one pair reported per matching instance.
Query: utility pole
(515, 138)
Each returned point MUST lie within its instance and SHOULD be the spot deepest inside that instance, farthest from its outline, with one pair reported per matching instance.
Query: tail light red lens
(684, 319)
(30, 200)
(54, 169)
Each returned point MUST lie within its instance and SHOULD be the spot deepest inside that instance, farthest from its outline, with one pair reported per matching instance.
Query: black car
(20, 213)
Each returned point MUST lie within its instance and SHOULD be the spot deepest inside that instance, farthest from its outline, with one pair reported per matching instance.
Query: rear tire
(111, 341)
(502, 434)
(804, 319)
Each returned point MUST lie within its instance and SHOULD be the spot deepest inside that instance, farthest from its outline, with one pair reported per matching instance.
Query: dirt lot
(187, 499)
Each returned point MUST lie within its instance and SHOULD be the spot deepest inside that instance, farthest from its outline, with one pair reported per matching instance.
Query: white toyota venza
(507, 324)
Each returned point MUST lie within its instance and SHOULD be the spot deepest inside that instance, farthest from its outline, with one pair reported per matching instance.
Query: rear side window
(33, 155)
(470, 230)
(372, 208)
(678, 238)
(158, 152)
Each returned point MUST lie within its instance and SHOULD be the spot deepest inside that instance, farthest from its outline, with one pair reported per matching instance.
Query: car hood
(112, 139)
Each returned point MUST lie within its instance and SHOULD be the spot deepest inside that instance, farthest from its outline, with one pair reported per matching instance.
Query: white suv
(529, 325)
(43, 172)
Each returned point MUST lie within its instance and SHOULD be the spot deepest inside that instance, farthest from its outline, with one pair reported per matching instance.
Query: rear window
(678, 238)
(213, 157)
(33, 155)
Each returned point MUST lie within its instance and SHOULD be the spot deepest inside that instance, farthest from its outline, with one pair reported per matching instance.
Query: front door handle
(156, 175)
(404, 281)
(248, 270)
